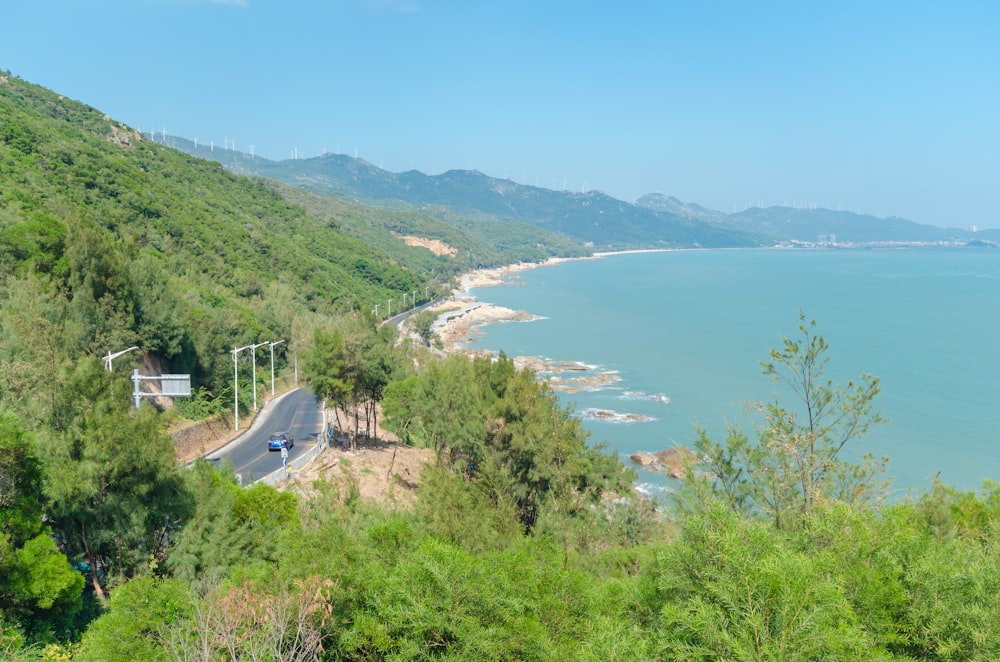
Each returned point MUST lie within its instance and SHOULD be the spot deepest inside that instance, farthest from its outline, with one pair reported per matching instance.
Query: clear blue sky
(888, 108)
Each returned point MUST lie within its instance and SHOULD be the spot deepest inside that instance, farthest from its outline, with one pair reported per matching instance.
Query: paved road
(296, 412)
(397, 319)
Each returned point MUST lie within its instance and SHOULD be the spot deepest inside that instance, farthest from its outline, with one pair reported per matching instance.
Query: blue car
(280, 440)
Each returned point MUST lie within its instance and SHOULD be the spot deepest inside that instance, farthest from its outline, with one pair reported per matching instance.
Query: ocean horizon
(683, 333)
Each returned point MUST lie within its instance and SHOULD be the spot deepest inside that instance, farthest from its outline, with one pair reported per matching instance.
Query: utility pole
(253, 360)
(236, 388)
(271, 345)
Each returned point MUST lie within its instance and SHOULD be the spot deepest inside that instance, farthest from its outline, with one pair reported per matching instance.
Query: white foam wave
(652, 490)
(610, 416)
(662, 398)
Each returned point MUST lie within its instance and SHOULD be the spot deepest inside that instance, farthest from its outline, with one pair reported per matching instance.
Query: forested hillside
(117, 242)
(523, 542)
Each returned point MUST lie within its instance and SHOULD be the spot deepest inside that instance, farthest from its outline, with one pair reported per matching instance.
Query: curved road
(296, 412)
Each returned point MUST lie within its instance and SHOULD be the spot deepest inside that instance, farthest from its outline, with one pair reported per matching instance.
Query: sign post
(171, 386)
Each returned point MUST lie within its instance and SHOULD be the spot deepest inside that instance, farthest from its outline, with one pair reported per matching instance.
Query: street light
(236, 388)
(253, 360)
(110, 357)
(413, 304)
(271, 345)
(390, 309)
(295, 359)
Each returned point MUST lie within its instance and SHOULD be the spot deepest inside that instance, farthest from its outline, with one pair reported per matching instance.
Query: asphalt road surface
(297, 413)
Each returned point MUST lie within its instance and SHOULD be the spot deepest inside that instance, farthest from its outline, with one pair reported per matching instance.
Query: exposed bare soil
(435, 246)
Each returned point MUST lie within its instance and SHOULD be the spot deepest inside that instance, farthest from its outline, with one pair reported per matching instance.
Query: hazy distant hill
(670, 204)
(823, 224)
(820, 225)
(593, 218)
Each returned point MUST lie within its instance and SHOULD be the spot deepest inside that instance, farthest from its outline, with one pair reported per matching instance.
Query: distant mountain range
(593, 219)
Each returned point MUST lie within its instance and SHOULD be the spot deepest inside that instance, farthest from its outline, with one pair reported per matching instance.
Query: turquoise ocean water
(693, 325)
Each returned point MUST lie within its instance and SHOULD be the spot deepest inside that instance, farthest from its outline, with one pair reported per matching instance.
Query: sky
(890, 108)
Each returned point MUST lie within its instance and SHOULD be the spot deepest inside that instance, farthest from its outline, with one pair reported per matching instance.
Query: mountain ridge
(592, 218)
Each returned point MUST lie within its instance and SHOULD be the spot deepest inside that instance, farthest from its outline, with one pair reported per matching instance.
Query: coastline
(715, 391)
(490, 276)
(462, 316)
(468, 314)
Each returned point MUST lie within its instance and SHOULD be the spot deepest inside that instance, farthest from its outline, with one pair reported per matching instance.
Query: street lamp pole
(271, 345)
(236, 388)
(295, 359)
(413, 304)
(253, 360)
(110, 357)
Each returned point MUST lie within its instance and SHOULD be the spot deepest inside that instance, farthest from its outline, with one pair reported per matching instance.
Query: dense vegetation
(525, 542)
(108, 240)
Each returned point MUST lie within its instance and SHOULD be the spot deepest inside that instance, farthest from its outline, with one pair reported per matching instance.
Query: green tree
(423, 323)
(39, 590)
(796, 461)
(230, 526)
(103, 297)
(398, 400)
(324, 367)
(35, 349)
(139, 615)
(114, 484)
(450, 413)
(952, 575)
(733, 589)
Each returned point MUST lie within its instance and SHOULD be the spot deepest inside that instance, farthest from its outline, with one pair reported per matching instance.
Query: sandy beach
(462, 316)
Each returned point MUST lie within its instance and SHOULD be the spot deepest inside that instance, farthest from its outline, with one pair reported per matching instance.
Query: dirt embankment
(380, 469)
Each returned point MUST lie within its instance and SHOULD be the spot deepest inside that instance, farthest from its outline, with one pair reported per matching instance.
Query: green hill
(119, 241)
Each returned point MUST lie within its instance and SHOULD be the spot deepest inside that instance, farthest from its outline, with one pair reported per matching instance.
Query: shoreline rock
(673, 461)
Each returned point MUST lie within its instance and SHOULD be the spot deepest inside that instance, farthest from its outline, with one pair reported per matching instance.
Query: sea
(684, 332)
